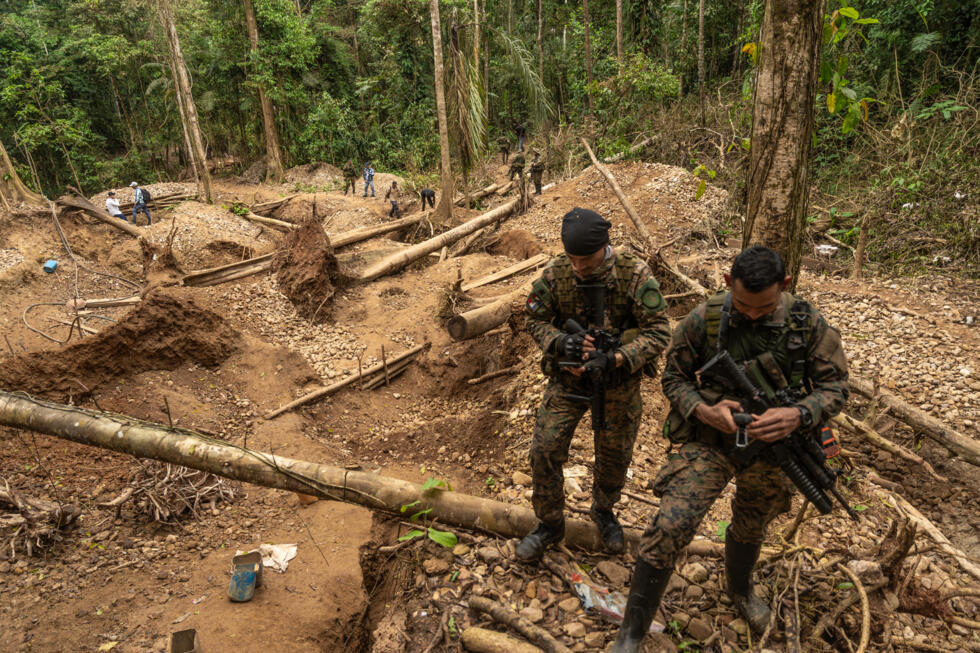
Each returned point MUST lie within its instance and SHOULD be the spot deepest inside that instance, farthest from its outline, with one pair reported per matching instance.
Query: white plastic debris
(958, 195)
(827, 250)
(276, 556)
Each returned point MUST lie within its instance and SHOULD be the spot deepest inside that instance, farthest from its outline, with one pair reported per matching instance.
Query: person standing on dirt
(521, 134)
(140, 198)
(537, 170)
(112, 206)
(634, 312)
(517, 167)
(368, 178)
(350, 177)
(504, 146)
(393, 195)
(758, 323)
(428, 195)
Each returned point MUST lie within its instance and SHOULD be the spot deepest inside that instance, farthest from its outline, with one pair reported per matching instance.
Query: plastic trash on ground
(276, 556)
(602, 602)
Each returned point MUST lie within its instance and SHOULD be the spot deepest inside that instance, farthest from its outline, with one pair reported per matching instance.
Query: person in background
(428, 195)
(112, 206)
(393, 195)
(140, 198)
(368, 178)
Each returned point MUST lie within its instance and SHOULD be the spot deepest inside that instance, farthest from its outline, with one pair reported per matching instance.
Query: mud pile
(307, 271)
(164, 331)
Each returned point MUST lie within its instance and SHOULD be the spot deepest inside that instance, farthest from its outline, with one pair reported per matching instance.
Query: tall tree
(185, 101)
(444, 210)
(619, 30)
(701, 58)
(782, 125)
(540, 48)
(588, 51)
(12, 189)
(273, 170)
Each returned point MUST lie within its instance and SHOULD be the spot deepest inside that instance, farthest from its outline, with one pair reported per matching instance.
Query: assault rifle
(595, 369)
(799, 455)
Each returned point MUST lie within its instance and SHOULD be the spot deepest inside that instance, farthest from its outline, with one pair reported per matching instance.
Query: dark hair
(758, 267)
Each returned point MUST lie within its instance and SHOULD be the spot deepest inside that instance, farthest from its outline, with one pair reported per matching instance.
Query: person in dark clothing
(428, 195)
(521, 135)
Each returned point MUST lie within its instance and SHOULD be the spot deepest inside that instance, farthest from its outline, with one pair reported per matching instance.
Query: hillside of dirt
(217, 358)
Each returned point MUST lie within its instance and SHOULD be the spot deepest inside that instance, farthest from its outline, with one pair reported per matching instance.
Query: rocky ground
(121, 581)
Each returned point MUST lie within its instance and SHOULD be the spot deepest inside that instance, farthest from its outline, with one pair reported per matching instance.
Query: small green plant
(722, 530)
(845, 585)
(490, 482)
(444, 538)
(702, 184)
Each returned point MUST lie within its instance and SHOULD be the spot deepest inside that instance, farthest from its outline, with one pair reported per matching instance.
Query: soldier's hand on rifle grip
(774, 424)
(719, 416)
(588, 346)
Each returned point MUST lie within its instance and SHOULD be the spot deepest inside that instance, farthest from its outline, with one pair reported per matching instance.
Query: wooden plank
(517, 268)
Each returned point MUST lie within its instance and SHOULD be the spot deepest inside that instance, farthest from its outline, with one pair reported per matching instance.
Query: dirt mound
(314, 174)
(164, 331)
(516, 243)
(307, 271)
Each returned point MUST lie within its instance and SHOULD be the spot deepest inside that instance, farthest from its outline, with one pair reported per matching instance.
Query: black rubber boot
(740, 559)
(537, 541)
(609, 529)
(646, 590)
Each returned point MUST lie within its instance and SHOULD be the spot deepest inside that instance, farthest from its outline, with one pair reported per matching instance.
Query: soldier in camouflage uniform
(517, 167)
(537, 170)
(350, 176)
(504, 146)
(756, 316)
(635, 311)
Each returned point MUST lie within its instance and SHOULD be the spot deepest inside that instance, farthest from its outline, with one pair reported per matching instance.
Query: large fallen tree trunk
(230, 272)
(358, 235)
(264, 207)
(645, 234)
(163, 201)
(959, 444)
(146, 440)
(86, 207)
(271, 222)
(401, 259)
(480, 194)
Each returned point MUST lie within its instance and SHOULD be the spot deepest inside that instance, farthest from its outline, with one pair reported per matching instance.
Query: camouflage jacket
(633, 303)
(503, 143)
(537, 167)
(518, 161)
(825, 363)
(350, 172)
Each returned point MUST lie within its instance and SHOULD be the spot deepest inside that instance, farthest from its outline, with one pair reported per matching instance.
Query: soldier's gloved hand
(601, 361)
(569, 346)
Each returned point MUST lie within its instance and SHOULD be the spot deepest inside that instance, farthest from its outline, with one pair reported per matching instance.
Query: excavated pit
(165, 330)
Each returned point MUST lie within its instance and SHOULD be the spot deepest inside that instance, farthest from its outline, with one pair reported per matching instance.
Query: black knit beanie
(584, 232)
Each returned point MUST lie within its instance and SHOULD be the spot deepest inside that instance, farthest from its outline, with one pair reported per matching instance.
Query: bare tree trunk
(540, 47)
(782, 124)
(588, 51)
(857, 273)
(619, 31)
(701, 58)
(683, 48)
(444, 211)
(476, 34)
(188, 108)
(273, 170)
(12, 189)
(183, 123)
(353, 27)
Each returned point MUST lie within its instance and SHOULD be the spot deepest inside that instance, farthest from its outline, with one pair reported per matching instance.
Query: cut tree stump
(480, 320)
(400, 259)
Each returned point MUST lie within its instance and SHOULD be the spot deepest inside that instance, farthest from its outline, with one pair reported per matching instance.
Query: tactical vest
(777, 349)
(571, 301)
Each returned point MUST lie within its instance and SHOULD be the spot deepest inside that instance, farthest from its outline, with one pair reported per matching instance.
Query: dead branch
(482, 640)
(523, 266)
(36, 522)
(503, 615)
(865, 608)
(865, 431)
(513, 369)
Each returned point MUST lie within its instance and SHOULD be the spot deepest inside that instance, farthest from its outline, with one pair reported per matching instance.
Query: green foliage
(722, 530)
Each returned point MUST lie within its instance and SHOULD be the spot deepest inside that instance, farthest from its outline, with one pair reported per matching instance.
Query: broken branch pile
(165, 493)
(34, 523)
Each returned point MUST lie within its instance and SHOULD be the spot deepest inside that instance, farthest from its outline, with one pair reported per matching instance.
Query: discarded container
(246, 575)
(600, 601)
(185, 641)
(50, 265)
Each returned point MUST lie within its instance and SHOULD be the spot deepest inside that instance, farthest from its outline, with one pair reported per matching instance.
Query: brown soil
(167, 329)
(516, 244)
(307, 271)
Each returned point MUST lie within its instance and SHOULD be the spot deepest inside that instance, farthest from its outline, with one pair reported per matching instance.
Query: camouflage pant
(553, 430)
(688, 485)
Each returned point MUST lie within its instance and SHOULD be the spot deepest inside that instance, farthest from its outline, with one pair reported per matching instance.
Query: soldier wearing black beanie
(584, 232)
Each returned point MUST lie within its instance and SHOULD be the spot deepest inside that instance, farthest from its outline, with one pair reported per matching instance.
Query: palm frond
(524, 70)
(467, 112)
(160, 82)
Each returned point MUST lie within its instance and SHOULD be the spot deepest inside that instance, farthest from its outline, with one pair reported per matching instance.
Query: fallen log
(271, 222)
(509, 271)
(163, 201)
(321, 392)
(358, 235)
(635, 148)
(642, 228)
(865, 431)
(274, 204)
(480, 194)
(86, 207)
(400, 259)
(502, 614)
(108, 302)
(483, 640)
(230, 272)
(959, 444)
(181, 447)
(480, 320)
